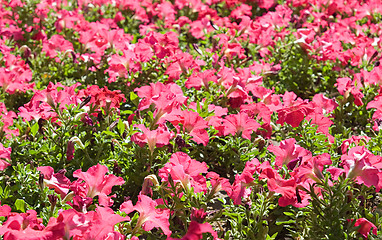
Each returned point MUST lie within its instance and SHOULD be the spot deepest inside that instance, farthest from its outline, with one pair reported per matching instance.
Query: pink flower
(75, 222)
(97, 183)
(196, 230)
(240, 124)
(357, 140)
(200, 79)
(166, 98)
(102, 224)
(154, 138)
(192, 123)
(56, 43)
(377, 116)
(287, 151)
(240, 188)
(57, 181)
(293, 110)
(149, 215)
(181, 63)
(7, 121)
(289, 191)
(365, 227)
(311, 168)
(346, 87)
(185, 170)
(5, 210)
(325, 103)
(43, 101)
(323, 123)
(121, 66)
(27, 226)
(5, 157)
(362, 165)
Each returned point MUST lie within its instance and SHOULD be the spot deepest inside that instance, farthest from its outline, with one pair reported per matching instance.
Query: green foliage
(251, 220)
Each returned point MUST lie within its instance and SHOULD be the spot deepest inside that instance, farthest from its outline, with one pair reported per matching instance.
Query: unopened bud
(70, 151)
(198, 215)
(50, 101)
(26, 51)
(148, 182)
(78, 141)
(86, 101)
(127, 125)
(41, 181)
(68, 197)
(52, 199)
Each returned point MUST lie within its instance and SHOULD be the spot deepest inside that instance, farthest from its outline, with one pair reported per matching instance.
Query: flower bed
(202, 119)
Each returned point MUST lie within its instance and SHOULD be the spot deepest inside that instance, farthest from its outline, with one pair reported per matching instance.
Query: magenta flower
(362, 165)
(200, 79)
(57, 181)
(5, 157)
(192, 123)
(346, 86)
(97, 183)
(196, 230)
(365, 227)
(149, 215)
(239, 189)
(97, 225)
(56, 43)
(102, 224)
(153, 138)
(27, 226)
(186, 171)
(240, 123)
(287, 151)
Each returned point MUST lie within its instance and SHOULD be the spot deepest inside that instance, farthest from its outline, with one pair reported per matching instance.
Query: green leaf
(278, 222)
(134, 98)
(289, 214)
(20, 205)
(121, 126)
(34, 129)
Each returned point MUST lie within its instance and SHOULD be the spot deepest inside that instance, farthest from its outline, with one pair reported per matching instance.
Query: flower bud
(78, 141)
(52, 199)
(148, 183)
(198, 215)
(70, 151)
(50, 100)
(41, 181)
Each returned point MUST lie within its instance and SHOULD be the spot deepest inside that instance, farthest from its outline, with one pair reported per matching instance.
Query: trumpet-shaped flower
(149, 215)
(287, 151)
(153, 138)
(57, 181)
(97, 183)
(186, 171)
(362, 165)
(5, 156)
(365, 227)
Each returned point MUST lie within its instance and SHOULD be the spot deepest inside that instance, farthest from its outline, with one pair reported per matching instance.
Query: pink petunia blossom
(364, 166)
(98, 183)
(287, 151)
(56, 181)
(149, 215)
(195, 231)
(186, 171)
(192, 123)
(5, 157)
(153, 138)
(27, 226)
(365, 227)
